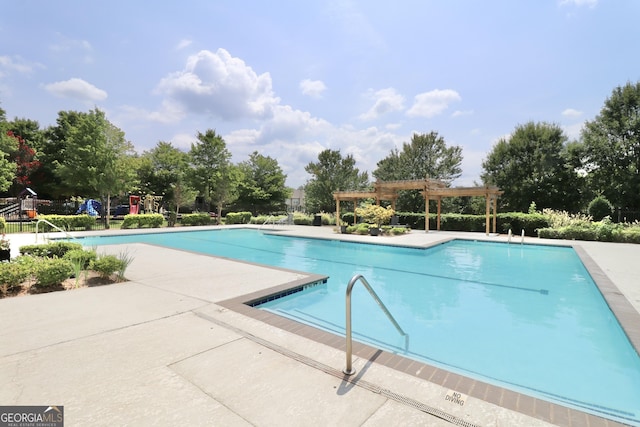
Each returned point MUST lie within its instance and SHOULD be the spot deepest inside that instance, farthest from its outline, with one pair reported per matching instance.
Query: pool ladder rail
(348, 370)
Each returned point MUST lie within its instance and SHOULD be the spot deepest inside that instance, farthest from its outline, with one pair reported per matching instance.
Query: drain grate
(339, 374)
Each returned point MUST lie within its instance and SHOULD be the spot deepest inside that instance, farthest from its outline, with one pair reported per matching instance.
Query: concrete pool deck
(161, 349)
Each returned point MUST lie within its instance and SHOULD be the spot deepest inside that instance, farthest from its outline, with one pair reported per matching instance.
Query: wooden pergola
(431, 189)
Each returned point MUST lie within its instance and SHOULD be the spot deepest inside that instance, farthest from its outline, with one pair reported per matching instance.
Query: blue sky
(291, 78)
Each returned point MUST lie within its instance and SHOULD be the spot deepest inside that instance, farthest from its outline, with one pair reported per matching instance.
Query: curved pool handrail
(348, 370)
(53, 226)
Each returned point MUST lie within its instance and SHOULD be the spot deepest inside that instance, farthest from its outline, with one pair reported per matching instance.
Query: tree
(533, 165)
(212, 174)
(27, 157)
(262, 189)
(163, 172)
(52, 154)
(611, 155)
(426, 156)
(97, 158)
(331, 173)
(8, 146)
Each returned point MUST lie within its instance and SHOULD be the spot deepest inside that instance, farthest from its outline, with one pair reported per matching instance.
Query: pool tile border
(546, 411)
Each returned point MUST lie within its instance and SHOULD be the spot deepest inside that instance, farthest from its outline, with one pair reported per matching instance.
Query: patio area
(160, 349)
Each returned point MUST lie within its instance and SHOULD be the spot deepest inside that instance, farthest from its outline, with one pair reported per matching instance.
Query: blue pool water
(526, 317)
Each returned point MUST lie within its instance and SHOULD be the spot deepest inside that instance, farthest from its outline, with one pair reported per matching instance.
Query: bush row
(142, 220)
(238, 218)
(603, 231)
(67, 222)
(196, 219)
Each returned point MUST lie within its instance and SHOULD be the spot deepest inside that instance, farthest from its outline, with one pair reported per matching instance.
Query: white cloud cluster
(386, 101)
(215, 83)
(76, 88)
(571, 113)
(9, 64)
(430, 104)
(588, 3)
(313, 88)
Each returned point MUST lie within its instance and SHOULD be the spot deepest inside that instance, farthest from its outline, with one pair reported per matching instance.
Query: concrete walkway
(158, 350)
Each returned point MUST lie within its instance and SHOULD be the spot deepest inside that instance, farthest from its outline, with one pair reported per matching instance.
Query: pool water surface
(525, 317)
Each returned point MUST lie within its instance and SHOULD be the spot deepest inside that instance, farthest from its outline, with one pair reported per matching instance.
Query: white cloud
(296, 138)
(14, 64)
(459, 113)
(77, 89)
(217, 83)
(430, 104)
(313, 88)
(65, 46)
(183, 44)
(571, 113)
(588, 3)
(386, 101)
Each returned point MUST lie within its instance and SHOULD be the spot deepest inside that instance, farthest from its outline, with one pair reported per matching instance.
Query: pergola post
(338, 222)
(487, 213)
(495, 213)
(439, 206)
(426, 211)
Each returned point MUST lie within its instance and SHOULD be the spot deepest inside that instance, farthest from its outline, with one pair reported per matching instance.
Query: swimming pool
(525, 317)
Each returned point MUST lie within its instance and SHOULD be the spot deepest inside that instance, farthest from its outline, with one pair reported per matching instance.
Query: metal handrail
(264, 223)
(348, 370)
(54, 226)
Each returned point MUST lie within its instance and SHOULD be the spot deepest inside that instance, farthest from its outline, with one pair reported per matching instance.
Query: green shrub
(107, 265)
(600, 208)
(302, 219)
(400, 230)
(3, 224)
(60, 221)
(51, 271)
(530, 223)
(361, 228)
(375, 214)
(238, 217)
(11, 275)
(81, 256)
(49, 250)
(347, 218)
(630, 235)
(196, 219)
(142, 220)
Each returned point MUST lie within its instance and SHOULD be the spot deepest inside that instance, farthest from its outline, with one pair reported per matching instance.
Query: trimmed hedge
(238, 218)
(515, 221)
(49, 250)
(195, 219)
(603, 231)
(68, 222)
(142, 220)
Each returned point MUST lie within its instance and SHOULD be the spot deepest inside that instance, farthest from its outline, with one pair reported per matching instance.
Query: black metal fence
(22, 218)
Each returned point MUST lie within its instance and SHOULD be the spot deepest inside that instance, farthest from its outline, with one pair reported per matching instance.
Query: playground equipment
(134, 205)
(28, 202)
(91, 207)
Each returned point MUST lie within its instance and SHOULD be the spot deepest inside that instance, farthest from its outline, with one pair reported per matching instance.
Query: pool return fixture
(348, 370)
(521, 239)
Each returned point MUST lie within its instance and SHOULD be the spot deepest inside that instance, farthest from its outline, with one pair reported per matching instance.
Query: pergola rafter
(431, 189)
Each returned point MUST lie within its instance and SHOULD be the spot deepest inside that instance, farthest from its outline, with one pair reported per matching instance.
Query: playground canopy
(431, 189)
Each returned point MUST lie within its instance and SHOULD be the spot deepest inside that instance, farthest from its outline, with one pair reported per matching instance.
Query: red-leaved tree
(25, 159)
